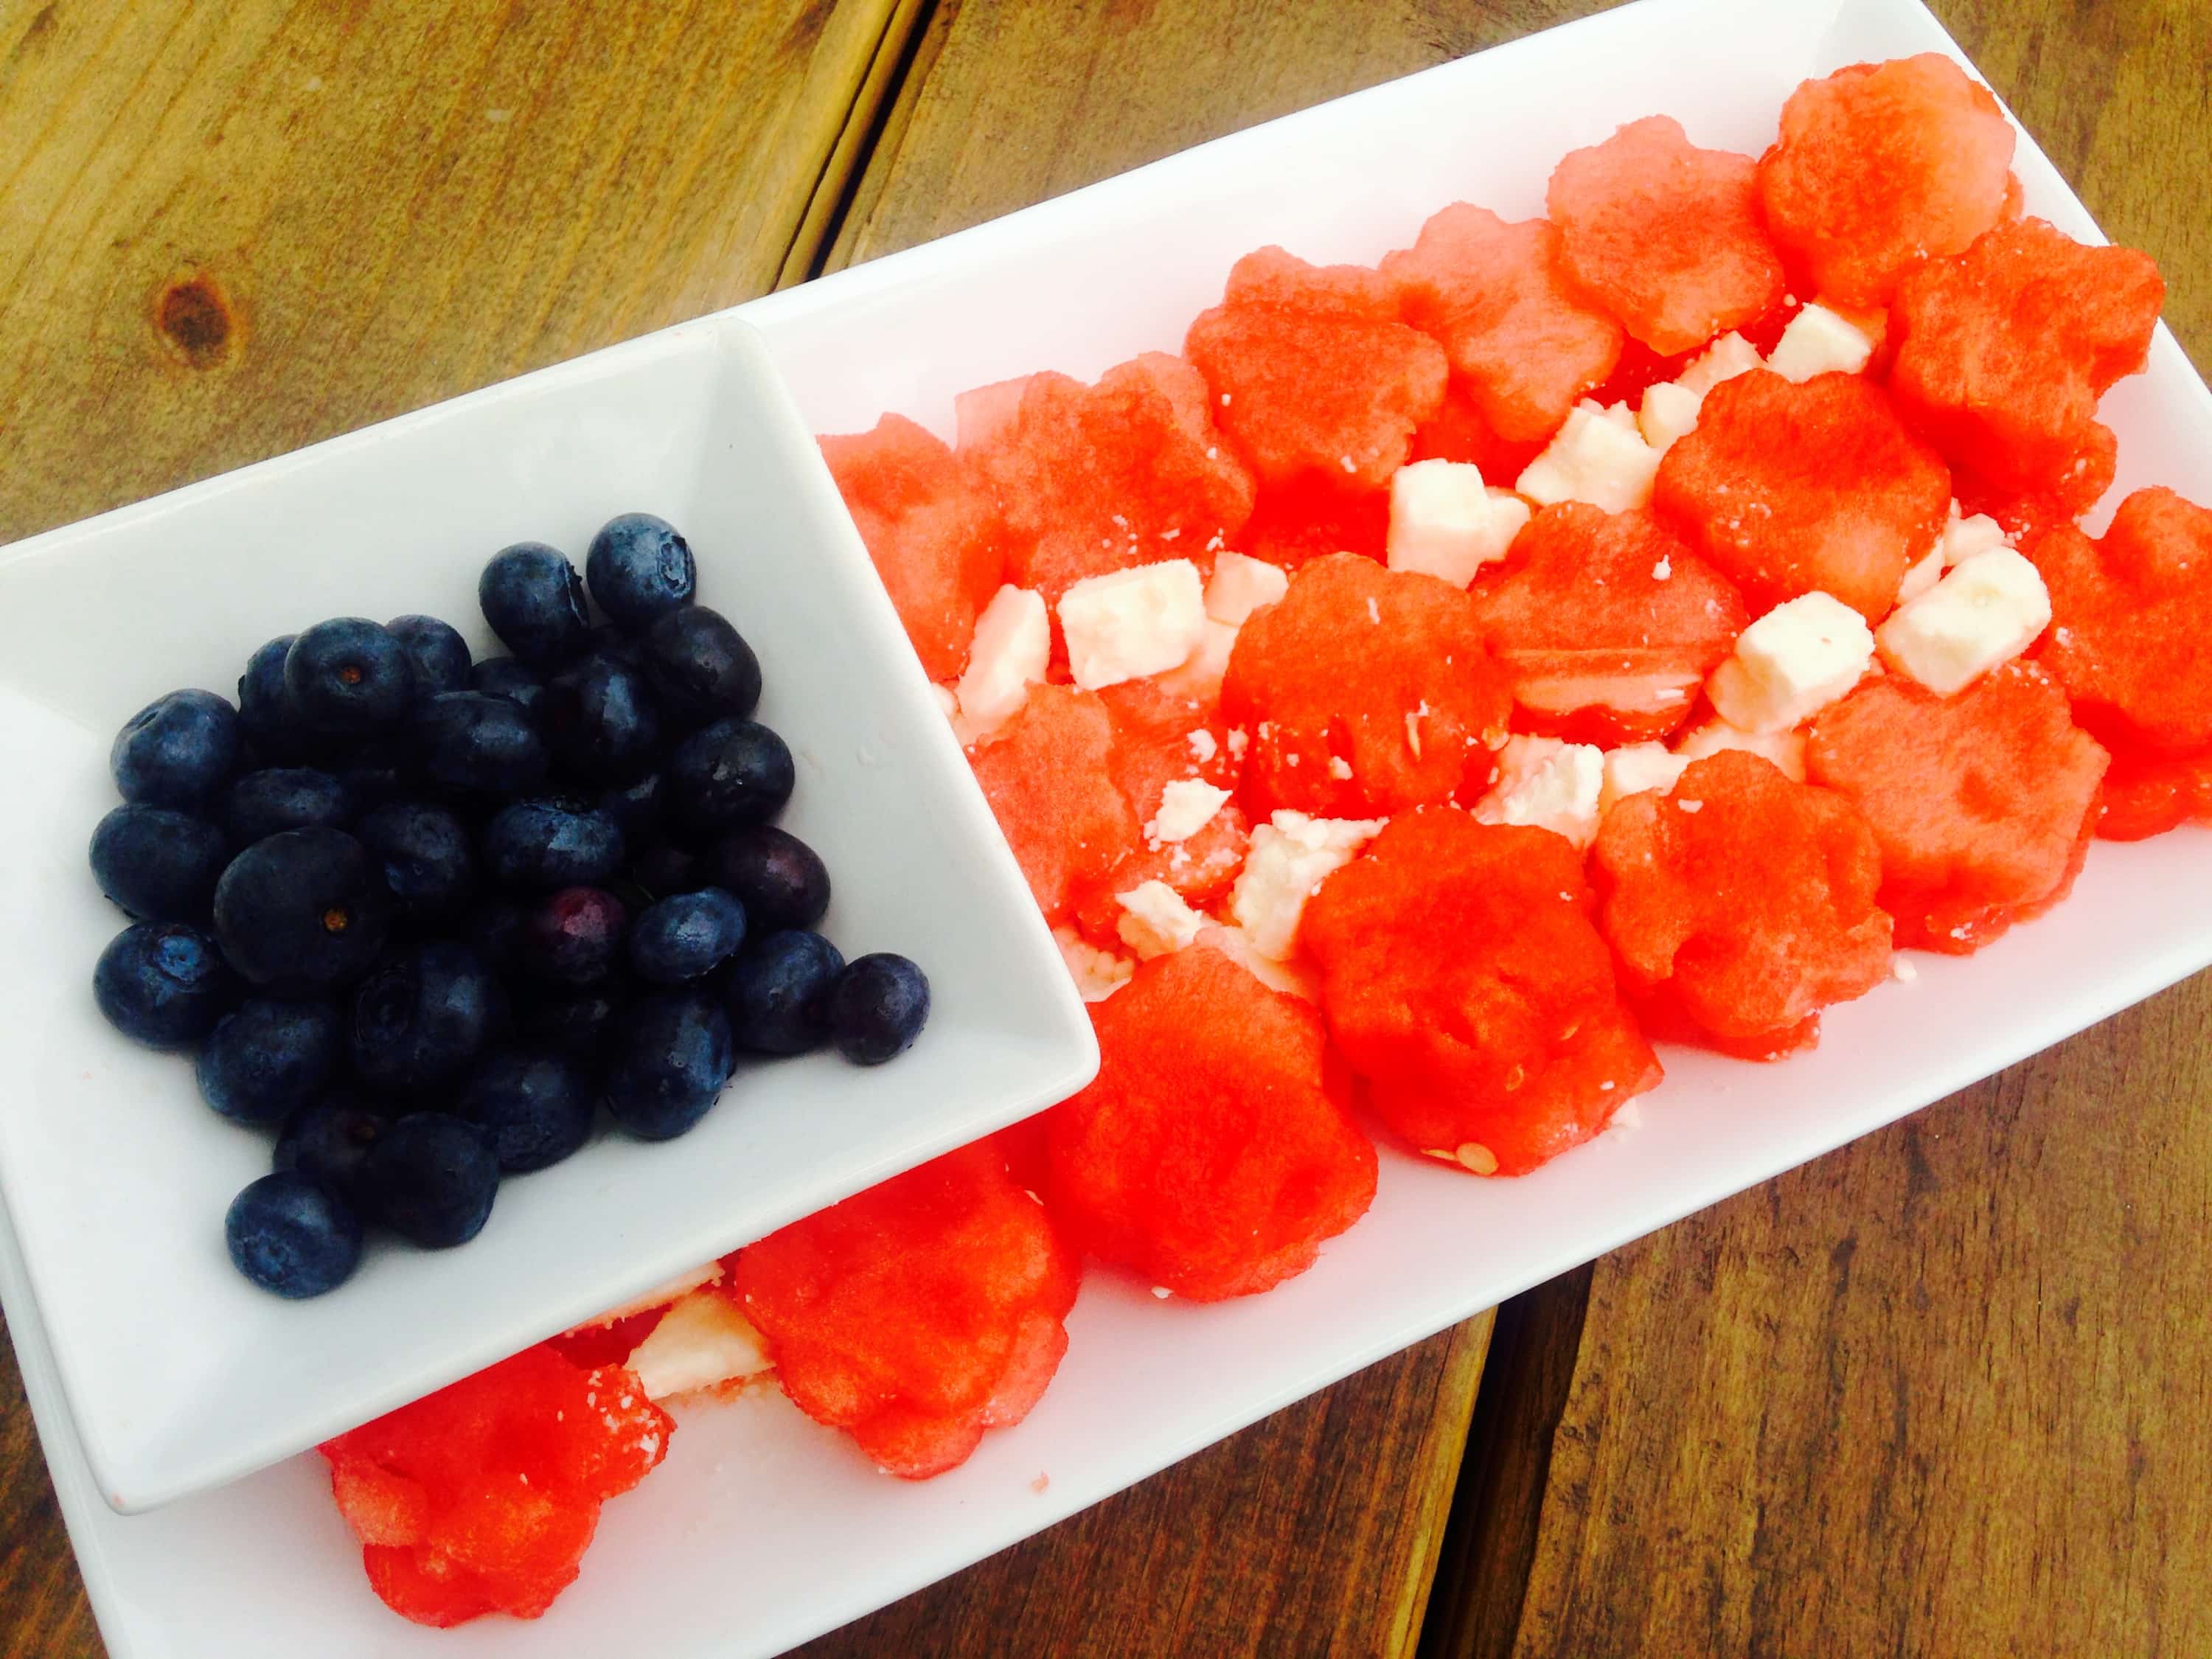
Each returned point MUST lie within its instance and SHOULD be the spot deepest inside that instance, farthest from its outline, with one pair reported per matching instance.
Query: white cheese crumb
(947, 704)
(1241, 585)
(1635, 768)
(1446, 522)
(1374, 611)
(1630, 1116)
(1187, 807)
(1013, 643)
(700, 1341)
(1791, 663)
(1785, 749)
(1199, 677)
(1162, 1291)
(1291, 855)
(1155, 921)
(1984, 612)
(1549, 784)
(660, 1296)
(1964, 537)
(1203, 745)
(1925, 572)
(1818, 342)
(1903, 971)
(1669, 414)
(1097, 974)
(1729, 355)
(1340, 768)
(1296, 979)
(1133, 623)
(1594, 458)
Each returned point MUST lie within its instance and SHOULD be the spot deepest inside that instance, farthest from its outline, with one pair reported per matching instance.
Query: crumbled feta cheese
(1241, 586)
(1670, 413)
(660, 1296)
(1594, 458)
(947, 703)
(1728, 356)
(1340, 768)
(1791, 663)
(1985, 611)
(700, 1341)
(1549, 784)
(1296, 979)
(1292, 855)
(1013, 643)
(1156, 922)
(1965, 537)
(1785, 749)
(1635, 768)
(1446, 522)
(1203, 745)
(1199, 677)
(1097, 974)
(1132, 622)
(1187, 807)
(1818, 342)
(1924, 574)
(1903, 971)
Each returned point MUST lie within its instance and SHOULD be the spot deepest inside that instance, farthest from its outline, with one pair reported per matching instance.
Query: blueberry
(292, 1235)
(437, 651)
(497, 930)
(878, 1008)
(551, 843)
(700, 667)
(271, 724)
(636, 807)
(534, 601)
(349, 675)
(163, 984)
(609, 642)
(177, 750)
(269, 1059)
(422, 1016)
(671, 1057)
(665, 868)
(379, 770)
(573, 937)
(777, 993)
(468, 743)
(779, 878)
(510, 677)
(426, 856)
(727, 775)
(639, 567)
(536, 1107)
(686, 936)
(600, 721)
(578, 1024)
(267, 803)
(158, 864)
(431, 1178)
(302, 912)
(329, 1138)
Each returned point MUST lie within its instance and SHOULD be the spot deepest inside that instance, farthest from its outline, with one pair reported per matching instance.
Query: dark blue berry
(497, 929)
(671, 1057)
(777, 993)
(421, 1017)
(609, 642)
(700, 667)
(431, 1178)
(471, 744)
(292, 1235)
(551, 843)
(686, 936)
(636, 807)
(536, 1107)
(304, 912)
(665, 868)
(578, 1024)
(426, 859)
(878, 1008)
(267, 803)
(267, 1061)
(779, 878)
(163, 984)
(573, 937)
(438, 653)
(379, 770)
(348, 676)
(600, 721)
(510, 677)
(271, 724)
(639, 567)
(534, 601)
(177, 750)
(727, 775)
(328, 1139)
(160, 865)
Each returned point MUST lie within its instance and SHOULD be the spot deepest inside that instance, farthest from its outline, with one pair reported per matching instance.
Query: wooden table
(1942, 1391)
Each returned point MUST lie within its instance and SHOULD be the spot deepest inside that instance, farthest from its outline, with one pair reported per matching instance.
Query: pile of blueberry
(427, 915)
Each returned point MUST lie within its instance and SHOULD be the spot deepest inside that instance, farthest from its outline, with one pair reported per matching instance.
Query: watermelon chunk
(1743, 902)
(2148, 794)
(1665, 236)
(1983, 803)
(1048, 774)
(1313, 517)
(1882, 167)
(1468, 986)
(1364, 691)
(1213, 1154)
(1607, 624)
(934, 535)
(1517, 336)
(1458, 432)
(1799, 489)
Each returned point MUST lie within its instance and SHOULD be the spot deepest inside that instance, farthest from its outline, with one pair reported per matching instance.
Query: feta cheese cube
(1199, 677)
(1728, 356)
(1133, 623)
(1793, 661)
(1097, 974)
(1187, 807)
(1925, 573)
(1635, 768)
(1446, 522)
(1291, 855)
(1549, 784)
(1986, 612)
(1203, 745)
(1242, 585)
(947, 702)
(700, 1341)
(1013, 643)
(1296, 979)
(1818, 342)
(660, 1296)
(1670, 414)
(1595, 458)
(1155, 921)
(1785, 749)
(1964, 537)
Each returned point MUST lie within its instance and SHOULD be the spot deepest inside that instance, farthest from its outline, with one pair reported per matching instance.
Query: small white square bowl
(180, 1375)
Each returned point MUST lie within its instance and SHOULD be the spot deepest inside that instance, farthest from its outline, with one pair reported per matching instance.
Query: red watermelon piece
(1313, 517)
(1048, 774)
(1458, 432)
(2148, 794)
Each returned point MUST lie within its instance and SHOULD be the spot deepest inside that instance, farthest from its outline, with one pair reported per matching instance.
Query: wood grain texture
(43, 1611)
